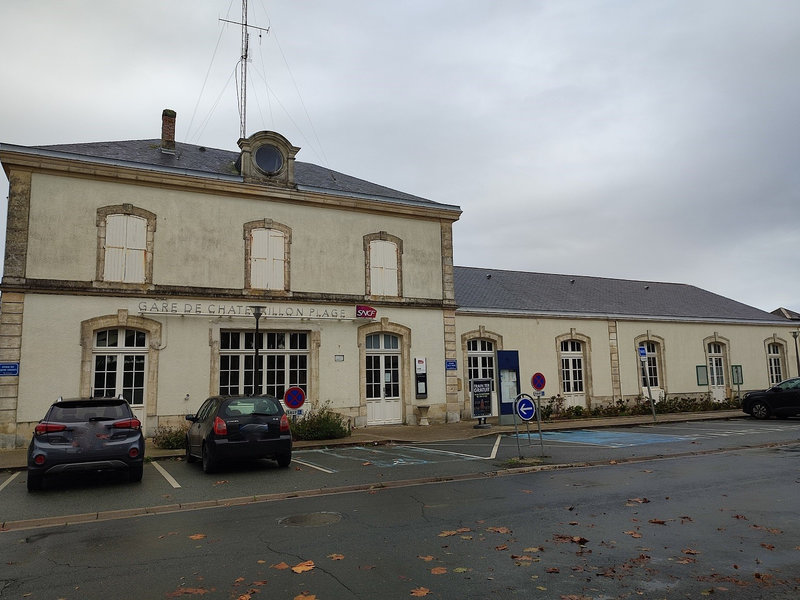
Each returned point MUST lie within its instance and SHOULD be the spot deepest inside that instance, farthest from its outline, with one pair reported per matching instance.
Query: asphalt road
(711, 524)
(171, 485)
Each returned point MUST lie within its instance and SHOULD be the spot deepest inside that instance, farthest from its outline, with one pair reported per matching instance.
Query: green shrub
(170, 438)
(320, 423)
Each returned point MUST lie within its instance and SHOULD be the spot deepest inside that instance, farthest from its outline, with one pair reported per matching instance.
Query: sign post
(643, 358)
(538, 382)
(294, 398)
(524, 408)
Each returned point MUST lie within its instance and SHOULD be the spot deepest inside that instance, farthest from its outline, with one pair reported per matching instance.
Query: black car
(781, 400)
(239, 428)
(89, 435)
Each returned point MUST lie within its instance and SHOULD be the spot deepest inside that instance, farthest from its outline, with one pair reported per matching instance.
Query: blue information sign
(451, 365)
(526, 408)
(9, 369)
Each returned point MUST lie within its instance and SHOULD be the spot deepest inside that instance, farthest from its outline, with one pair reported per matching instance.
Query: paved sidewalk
(17, 458)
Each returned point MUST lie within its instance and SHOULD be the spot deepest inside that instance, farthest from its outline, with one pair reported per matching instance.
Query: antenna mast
(243, 90)
(243, 66)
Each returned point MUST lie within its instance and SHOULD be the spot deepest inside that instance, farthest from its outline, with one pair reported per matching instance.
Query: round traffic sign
(294, 397)
(538, 381)
(525, 407)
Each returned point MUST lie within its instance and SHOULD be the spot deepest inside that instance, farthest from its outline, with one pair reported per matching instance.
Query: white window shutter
(383, 268)
(135, 251)
(259, 253)
(276, 259)
(115, 248)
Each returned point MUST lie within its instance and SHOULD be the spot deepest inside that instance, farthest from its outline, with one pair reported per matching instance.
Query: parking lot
(172, 484)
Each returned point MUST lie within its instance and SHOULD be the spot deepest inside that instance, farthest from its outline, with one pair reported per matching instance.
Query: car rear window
(76, 412)
(248, 406)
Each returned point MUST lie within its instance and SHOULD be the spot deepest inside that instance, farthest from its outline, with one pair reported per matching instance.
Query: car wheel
(284, 459)
(760, 410)
(209, 463)
(35, 481)
(189, 457)
(135, 472)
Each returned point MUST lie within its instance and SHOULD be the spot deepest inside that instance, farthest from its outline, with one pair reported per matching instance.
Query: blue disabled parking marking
(611, 439)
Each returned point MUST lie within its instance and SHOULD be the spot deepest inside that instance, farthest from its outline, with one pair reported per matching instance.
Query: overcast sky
(643, 139)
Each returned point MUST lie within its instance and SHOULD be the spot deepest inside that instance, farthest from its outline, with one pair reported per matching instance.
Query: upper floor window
(125, 244)
(384, 264)
(267, 255)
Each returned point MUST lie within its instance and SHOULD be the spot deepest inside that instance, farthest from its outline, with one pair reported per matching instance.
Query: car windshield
(78, 412)
(251, 406)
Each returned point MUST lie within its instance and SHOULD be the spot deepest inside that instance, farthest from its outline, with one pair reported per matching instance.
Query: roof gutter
(39, 152)
(388, 199)
(505, 312)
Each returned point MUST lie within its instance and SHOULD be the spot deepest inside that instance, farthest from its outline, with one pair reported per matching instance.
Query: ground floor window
(572, 366)
(650, 365)
(119, 358)
(282, 362)
(775, 363)
(480, 360)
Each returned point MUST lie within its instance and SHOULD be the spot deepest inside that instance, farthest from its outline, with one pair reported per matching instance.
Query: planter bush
(320, 423)
(169, 437)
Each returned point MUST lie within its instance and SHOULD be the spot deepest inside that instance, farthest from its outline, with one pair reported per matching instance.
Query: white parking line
(7, 481)
(170, 479)
(312, 466)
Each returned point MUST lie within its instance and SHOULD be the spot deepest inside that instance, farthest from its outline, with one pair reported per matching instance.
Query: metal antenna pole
(243, 91)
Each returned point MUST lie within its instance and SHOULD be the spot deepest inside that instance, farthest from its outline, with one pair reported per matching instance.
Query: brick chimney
(168, 131)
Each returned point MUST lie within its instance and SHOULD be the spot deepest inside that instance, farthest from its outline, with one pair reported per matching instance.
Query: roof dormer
(267, 157)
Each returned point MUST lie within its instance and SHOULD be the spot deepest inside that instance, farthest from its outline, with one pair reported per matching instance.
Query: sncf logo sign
(365, 312)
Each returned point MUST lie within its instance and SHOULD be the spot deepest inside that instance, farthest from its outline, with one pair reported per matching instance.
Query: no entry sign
(294, 398)
(538, 381)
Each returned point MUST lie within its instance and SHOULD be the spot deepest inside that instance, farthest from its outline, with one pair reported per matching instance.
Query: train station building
(167, 272)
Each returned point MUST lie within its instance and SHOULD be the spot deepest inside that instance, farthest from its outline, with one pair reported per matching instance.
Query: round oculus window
(269, 159)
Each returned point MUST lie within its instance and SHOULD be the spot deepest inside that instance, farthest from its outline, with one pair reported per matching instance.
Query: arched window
(480, 360)
(572, 366)
(125, 239)
(650, 370)
(267, 247)
(384, 264)
(775, 362)
(119, 365)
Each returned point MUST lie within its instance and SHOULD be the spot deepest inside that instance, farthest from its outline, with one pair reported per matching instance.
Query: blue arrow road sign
(526, 409)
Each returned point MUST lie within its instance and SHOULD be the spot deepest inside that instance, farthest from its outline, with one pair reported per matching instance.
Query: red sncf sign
(365, 312)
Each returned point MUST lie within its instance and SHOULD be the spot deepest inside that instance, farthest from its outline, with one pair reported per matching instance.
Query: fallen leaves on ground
(657, 522)
(560, 538)
(197, 536)
(187, 592)
(639, 500)
(427, 558)
(498, 529)
(280, 566)
(438, 570)
(454, 532)
(420, 591)
(305, 596)
(303, 567)
(336, 556)
(634, 534)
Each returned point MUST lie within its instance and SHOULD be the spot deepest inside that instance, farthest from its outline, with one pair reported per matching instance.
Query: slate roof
(786, 313)
(200, 160)
(515, 292)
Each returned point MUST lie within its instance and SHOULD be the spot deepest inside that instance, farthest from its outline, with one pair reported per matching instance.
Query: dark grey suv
(86, 435)
(781, 400)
